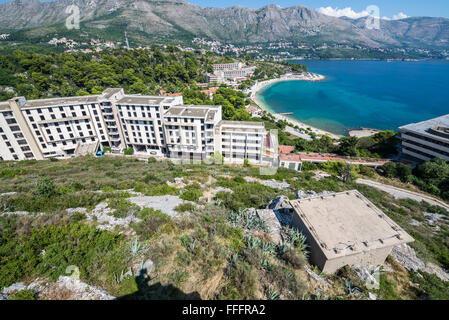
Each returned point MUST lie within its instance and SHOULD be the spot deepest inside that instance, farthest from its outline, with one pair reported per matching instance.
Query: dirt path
(399, 193)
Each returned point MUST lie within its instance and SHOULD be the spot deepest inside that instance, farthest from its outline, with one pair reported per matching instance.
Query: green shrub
(152, 160)
(50, 250)
(309, 166)
(247, 195)
(192, 193)
(11, 173)
(294, 258)
(45, 188)
(152, 222)
(239, 179)
(434, 287)
(184, 207)
(23, 295)
(123, 207)
(160, 190)
(128, 151)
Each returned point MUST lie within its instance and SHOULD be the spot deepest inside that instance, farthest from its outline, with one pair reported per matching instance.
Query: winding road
(399, 193)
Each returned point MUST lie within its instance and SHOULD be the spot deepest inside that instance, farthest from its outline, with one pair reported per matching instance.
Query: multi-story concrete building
(151, 125)
(228, 66)
(426, 140)
(230, 71)
(241, 140)
(190, 131)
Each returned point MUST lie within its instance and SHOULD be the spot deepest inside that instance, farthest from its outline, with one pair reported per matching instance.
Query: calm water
(372, 94)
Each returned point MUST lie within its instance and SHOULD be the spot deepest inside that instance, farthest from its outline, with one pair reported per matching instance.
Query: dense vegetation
(233, 102)
(35, 75)
(211, 250)
(431, 176)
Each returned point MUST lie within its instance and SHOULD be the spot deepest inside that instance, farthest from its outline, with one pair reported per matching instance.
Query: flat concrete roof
(4, 105)
(192, 111)
(225, 123)
(424, 126)
(109, 92)
(50, 102)
(347, 223)
(142, 100)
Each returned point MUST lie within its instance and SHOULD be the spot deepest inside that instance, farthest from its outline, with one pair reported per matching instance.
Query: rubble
(282, 209)
(367, 276)
(221, 189)
(406, 256)
(372, 296)
(310, 193)
(317, 278)
(148, 266)
(269, 183)
(7, 194)
(66, 288)
(434, 218)
(166, 204)
(102, 214)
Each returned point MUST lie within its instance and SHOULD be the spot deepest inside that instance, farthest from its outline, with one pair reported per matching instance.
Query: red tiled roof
(286, 149)
(290, 157)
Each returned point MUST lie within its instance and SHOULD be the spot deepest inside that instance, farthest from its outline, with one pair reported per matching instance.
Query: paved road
(399, 193)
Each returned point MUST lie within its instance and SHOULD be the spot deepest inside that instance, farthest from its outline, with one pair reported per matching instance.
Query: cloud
(400, 15)
(348, 12)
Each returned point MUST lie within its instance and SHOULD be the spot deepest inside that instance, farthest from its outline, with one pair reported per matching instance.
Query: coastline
(302, 77)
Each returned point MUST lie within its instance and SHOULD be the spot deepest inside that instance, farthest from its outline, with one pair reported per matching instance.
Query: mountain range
(178, 19)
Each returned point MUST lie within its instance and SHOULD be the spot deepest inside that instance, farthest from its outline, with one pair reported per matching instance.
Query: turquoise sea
(370, 94)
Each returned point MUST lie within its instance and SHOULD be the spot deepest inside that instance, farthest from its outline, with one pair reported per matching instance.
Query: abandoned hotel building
(152, 125)
(341, 229)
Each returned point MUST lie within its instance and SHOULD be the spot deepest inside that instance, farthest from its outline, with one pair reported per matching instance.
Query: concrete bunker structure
(346, 229)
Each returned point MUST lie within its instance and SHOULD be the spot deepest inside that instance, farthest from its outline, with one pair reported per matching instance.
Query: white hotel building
(426, 140)
(151, 125)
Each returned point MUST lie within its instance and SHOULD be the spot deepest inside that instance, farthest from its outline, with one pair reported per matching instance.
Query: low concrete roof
(347, 223)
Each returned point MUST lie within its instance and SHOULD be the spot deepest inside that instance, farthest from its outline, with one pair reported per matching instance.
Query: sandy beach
(302, 77)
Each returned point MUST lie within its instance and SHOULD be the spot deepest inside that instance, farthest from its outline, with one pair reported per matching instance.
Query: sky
(391, 9)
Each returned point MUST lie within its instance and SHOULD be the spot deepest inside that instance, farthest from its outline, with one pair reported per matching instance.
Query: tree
(348, 146)
(404, 172)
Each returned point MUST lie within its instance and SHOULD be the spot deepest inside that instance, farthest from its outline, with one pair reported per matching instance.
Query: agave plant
(247, 220)
(282, 248)
(350, 289)
(265, 264)
(297, 239)
(136, 248)
(123, 276)
(272, 294)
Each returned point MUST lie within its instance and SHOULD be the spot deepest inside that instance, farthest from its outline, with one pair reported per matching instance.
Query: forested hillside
(37, 75)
